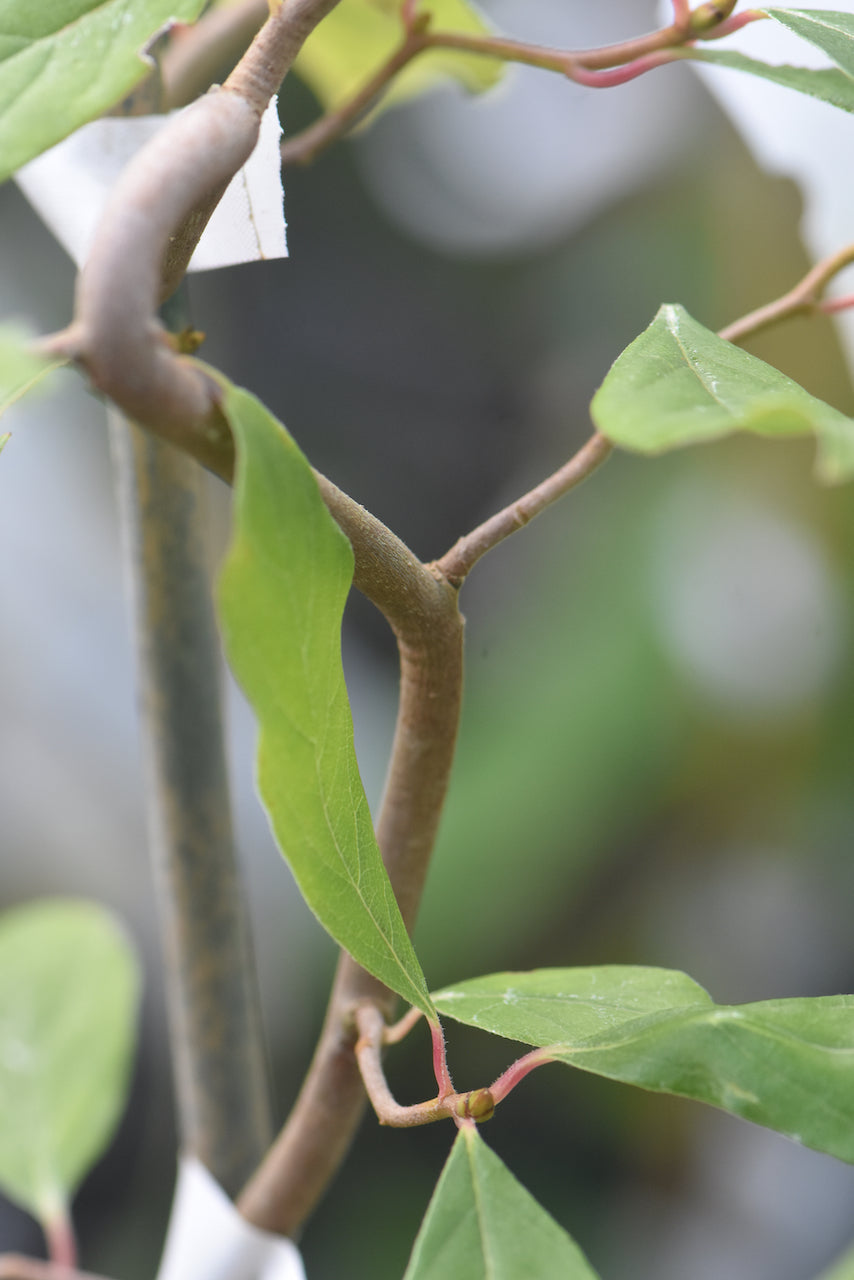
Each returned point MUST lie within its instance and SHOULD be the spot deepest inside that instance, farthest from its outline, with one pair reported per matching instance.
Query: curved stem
(304, 147)
(517, 1071)
(196, 54)
(599, 68)
(803, 298)
(457, 563)
(421, 607)
(149, 230)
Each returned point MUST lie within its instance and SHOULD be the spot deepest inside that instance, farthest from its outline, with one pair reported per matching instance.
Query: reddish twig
(804, 298)
(599, 68)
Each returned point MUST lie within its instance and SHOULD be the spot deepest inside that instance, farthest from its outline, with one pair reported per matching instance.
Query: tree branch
(804, 298)
(152, 223)
(197, 54)
(599, 68)
(217, 1043)
(457, 563)
(422, 610)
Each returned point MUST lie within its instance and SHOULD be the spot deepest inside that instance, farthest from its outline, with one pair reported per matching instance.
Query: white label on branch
(208, 1239)
(68, 186)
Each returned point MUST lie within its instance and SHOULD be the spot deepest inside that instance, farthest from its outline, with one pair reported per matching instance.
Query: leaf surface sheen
(785, 1064)
(281, 597)
(66, 62)
(360, 35)
(69, 989)
(678, 383)
(482, 1224)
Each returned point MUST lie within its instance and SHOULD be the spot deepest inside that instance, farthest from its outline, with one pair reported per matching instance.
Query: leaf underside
(679, 384)
(67, 62)
(784, 1064)
(482, 1224)
(281, 597)
(68, 997)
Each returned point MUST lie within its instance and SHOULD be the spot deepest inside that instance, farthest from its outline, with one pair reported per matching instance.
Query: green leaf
(359, 36)
(679, 384)
(68, 997)
(66, 62)
(545, 1006)
(785, 1064)
(281, 596)
(825, 83)
(829, 31)
(482, 1224)
(20, 369)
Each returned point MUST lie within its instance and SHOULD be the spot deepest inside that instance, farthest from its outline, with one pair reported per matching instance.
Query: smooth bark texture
(217, 1043)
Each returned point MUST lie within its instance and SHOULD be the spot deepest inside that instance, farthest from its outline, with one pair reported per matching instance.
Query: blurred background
(656, 751)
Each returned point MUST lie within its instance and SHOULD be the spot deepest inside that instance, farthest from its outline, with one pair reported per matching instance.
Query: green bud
(479, 1105)
(710, 15)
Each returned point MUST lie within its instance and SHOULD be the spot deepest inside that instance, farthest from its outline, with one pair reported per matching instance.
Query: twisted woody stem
(138, 258)
(149, 230)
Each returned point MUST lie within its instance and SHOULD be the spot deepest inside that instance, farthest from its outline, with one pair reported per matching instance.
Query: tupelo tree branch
(457, 563)
(600, 68)
(803, 299)
(422, 609)
(150, 228)
(196, 54)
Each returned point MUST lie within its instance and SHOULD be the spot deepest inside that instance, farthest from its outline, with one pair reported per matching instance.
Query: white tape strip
(208, 1239)
(68, 186)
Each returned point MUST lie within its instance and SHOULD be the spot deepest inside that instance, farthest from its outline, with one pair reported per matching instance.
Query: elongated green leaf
(828, 30)
(825, 83)
(785, 1064)
(281, 596)
(20, 369)
(679, 384)
(360, 35)
(482, 1224)
(68, 996)
(66, 62)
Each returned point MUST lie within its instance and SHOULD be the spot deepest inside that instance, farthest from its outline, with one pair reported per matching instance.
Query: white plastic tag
(208, 1240)
(68, 186)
